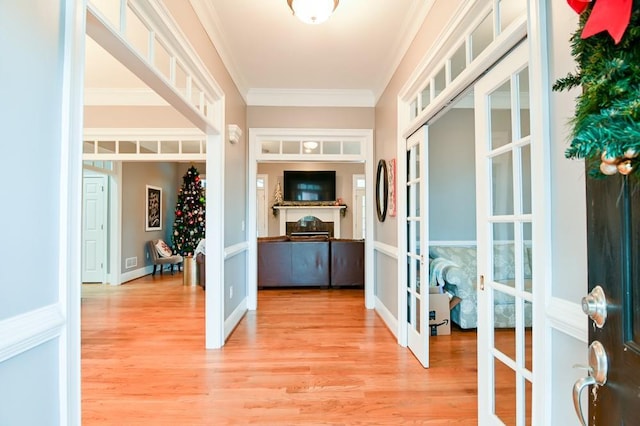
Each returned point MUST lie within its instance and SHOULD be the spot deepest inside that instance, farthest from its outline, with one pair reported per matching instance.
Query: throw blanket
(437, 268)
(200, 248)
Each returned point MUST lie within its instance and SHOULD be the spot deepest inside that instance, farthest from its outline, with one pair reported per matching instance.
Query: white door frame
(354, 199)
(265, 179)
(206, 112)
(365, 138)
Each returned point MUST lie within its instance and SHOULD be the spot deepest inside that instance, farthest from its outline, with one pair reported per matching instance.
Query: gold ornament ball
(607, 159)
(608, 169)
(630, 153)
(625, 167)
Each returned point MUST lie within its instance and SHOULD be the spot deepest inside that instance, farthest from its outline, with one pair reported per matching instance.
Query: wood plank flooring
(313, 357)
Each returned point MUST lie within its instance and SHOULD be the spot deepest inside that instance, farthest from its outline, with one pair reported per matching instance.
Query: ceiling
(275, 59)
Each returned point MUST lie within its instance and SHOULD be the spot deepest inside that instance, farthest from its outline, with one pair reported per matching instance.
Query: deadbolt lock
(595, 305)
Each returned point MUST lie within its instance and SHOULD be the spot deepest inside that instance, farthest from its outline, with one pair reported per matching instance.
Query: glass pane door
(417, 289)
(505, 246)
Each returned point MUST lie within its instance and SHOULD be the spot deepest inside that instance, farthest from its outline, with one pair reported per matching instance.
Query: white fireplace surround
(324, 213)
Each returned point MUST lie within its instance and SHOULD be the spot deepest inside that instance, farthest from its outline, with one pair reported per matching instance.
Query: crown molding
(123, 97)
(412, 25)
(205, 12)
(310, 98)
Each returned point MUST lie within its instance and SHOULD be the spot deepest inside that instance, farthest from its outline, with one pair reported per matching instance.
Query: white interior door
(93, 229)
(359, 203)
(417, 289)
(262, 207)
(504, 227)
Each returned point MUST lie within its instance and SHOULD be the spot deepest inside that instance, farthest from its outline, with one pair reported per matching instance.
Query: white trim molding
(387, 317)
(386, 249)
(234, 319)
(122, 97)
(235, 250)
(568, 318)
(22, 332)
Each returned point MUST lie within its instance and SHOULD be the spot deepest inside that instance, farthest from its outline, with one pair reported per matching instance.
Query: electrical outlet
(242, 225)
(230, 292)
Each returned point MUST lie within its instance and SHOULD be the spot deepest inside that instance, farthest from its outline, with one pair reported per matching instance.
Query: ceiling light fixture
(310, 145)
(313, 11)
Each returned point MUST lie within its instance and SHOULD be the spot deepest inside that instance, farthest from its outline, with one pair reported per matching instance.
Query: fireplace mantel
(324, 213)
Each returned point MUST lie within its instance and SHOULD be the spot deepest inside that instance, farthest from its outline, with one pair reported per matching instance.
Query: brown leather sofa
(347, 263)
(300, 261)
(310, 261)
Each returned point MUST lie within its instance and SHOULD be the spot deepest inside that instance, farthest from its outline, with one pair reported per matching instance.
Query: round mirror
(382, 190)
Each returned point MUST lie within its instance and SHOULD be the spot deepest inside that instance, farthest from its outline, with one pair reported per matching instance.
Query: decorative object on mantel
(337, 203)
(606, 123)
(277, 196)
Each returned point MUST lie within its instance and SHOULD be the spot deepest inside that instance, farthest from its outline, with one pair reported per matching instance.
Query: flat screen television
(309, 185)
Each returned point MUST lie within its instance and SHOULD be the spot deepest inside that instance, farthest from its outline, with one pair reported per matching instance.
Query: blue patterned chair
(460, 277)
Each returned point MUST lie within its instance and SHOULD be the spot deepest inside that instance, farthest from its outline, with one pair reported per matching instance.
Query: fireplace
(326, 214)
(310, 225)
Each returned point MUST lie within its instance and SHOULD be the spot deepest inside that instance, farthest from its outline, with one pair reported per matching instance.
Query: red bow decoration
(610, 15)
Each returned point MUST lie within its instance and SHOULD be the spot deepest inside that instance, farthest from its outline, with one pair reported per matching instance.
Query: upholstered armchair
(460, 277)
(156, 247)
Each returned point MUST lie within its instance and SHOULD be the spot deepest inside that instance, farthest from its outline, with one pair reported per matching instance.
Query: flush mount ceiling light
(313, 11)
(310, 145)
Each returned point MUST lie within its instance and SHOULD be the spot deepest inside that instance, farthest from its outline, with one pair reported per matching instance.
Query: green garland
(606, 124)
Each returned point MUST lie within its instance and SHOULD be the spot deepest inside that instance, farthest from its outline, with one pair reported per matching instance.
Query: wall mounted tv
(309, 185)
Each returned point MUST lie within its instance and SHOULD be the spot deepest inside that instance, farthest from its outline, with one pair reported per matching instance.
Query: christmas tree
(188, 226)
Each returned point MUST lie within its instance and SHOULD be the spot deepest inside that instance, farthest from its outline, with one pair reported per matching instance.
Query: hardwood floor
(305, 357)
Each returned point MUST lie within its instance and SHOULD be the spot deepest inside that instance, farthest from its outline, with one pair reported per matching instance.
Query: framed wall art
(392, 187)
(154, 208)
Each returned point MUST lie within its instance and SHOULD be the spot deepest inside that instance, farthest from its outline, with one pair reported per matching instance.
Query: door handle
(597, 375)
(582, 383)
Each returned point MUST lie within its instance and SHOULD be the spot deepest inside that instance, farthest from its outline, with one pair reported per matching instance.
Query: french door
(416, 286)
(504, 237)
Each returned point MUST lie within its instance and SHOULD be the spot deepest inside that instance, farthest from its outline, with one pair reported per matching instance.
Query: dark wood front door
(613, 224)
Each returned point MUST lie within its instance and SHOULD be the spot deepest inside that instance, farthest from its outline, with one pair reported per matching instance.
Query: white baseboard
(136, 273)
(389, 320)
(234, 319)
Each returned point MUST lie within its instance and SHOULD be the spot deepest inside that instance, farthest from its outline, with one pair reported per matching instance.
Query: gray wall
(310, 117)
(344, 186)
(236, 186)
(31, 78)
(452, 178)
(135, 177)
(386, 135)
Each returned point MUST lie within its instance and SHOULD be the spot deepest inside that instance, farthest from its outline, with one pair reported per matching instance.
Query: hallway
(305, 357)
